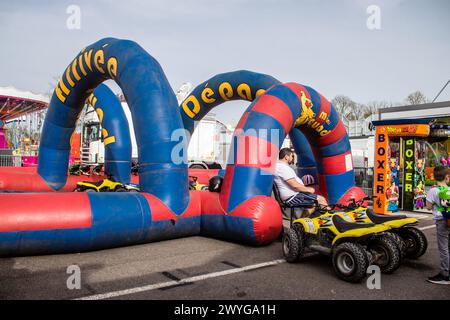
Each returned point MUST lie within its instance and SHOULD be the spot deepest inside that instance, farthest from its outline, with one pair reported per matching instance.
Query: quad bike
(354, 246)
(412, 242)
(105, 185)
(194, 185)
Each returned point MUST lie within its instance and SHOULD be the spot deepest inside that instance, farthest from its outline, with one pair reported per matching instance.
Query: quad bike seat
(343, 225)
(284, 205)
(380, 218)
(96, 183)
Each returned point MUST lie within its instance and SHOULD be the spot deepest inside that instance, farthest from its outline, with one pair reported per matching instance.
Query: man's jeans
(442, 233)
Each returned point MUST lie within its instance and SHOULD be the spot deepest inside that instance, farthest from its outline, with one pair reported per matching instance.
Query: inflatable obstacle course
(243, 211)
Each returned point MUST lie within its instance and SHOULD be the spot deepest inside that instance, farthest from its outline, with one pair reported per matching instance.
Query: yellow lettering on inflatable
(323, 133)
(207, 94)
(87, 58)
(63, 87)
(259, 92)
(93, 101)
(191, 113)
(60, 95)
(112, 67)
(323, 116)
(69, 79)
(244, 91)
(80, 63)
(99, 59)
(74, 70)
(104, 133)
(109, 140)
(99, 114)
(306, 114)
(225, 91)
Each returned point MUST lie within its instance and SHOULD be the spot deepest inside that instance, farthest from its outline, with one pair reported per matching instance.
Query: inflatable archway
(115, 133)
(73, 222)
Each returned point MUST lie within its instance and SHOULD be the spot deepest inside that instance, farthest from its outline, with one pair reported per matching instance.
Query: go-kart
(74, 169)
(194, 185)
(134, 168)
(97, 170)
(412, 242)
(105, 185)
(354, 246)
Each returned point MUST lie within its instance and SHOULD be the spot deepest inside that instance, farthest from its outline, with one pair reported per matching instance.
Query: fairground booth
(19, 119)
(409, 142)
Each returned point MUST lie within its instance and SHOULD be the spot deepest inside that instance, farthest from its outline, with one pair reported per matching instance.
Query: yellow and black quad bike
(194, 185)
(105, 185)
(353, 246)
(412, 242)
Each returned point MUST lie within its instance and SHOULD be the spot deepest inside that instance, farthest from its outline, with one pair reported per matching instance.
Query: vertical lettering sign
(381, 170)
(408, 175)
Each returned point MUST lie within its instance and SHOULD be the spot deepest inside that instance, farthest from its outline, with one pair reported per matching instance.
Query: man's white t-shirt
(283, 173)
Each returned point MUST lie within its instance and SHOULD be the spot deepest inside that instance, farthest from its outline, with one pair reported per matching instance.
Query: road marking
(202, 277)
(150, 287)
(427, 227)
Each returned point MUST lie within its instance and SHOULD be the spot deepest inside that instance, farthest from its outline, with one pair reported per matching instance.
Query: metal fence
(10, 161)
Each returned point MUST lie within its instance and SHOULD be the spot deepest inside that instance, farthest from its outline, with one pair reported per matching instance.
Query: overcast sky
(324, 44)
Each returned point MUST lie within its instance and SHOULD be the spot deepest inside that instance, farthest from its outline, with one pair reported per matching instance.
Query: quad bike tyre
(400, 243)
(350, 261)
(416, 242)
(386, 253)
(294, 243)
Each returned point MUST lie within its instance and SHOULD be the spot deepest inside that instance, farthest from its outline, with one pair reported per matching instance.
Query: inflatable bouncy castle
(243, 211)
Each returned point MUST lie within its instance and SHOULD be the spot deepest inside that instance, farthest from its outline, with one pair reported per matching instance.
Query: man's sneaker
(439, 279)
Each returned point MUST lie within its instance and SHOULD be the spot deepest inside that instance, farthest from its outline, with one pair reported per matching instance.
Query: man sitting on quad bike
(291, 188)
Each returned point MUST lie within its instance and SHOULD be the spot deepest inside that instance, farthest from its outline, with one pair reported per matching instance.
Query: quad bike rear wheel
(415, 240)
(294, 243)
(350, 261)
(385, 253)
(400, 243)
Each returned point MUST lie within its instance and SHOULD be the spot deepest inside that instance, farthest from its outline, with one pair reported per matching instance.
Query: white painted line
(427, 227)
(419, 216)
(155, 286)
(160, 285)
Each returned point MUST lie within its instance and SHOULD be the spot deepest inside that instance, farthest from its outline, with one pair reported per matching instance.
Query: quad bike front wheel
(350, 261)
(385, 253)
(415, 240)
(294, 243)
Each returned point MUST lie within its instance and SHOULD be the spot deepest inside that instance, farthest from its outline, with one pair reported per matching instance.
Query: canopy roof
(15, 103)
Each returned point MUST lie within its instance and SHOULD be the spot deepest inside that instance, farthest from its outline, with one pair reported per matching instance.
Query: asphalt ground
(204, 268)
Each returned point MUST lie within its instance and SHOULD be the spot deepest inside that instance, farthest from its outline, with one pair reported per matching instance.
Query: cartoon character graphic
(419, 196)
(444, 207)
(419, 171)
(306, 113)
(392, 197)
(394, 169)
